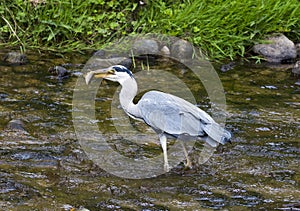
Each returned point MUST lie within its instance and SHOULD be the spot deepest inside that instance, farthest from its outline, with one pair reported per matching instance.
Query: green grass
(223, 29)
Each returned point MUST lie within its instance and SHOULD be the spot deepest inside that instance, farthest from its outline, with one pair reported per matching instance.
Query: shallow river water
(46, 168)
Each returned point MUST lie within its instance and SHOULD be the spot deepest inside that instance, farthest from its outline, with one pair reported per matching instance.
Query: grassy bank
(224, 29)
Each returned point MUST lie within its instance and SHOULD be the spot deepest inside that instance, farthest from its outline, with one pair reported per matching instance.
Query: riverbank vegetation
(223, 29)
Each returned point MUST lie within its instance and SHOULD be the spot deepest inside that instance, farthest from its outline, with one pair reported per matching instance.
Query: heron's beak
(101, 73)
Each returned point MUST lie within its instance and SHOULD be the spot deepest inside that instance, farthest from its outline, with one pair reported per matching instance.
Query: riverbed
(44, 167)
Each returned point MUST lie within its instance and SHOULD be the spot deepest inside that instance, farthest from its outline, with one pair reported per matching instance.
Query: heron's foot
(188, 163)
(166, 167)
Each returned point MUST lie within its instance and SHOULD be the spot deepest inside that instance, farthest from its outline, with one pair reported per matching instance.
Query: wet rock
(262, 129)
(145, 46)
(15, 189)
(36, 156)
(282, 175)
(16, 124)
(3, 96)
(118, 191)
(106, 62)
(182, 49)
(277, 49)
(127, 63)
(15, 58)
(100, 54)
(296, 69)
(165, 51)
(226, 67)
(60, 72)
(268, 87)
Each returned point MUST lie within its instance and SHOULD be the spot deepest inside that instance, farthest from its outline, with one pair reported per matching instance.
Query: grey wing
(173, 115)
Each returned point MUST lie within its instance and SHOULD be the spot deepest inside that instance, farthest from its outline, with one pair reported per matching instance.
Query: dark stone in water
(60, 72)
(97, 62)
(15, 58)
(3, 96)
(16, 124)
(127, 63)
(103, 59)
(282, 175)
(35, 156)
(226, 67)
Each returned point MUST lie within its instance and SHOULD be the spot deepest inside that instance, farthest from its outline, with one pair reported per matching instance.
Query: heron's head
(116, 73)
(226, 137)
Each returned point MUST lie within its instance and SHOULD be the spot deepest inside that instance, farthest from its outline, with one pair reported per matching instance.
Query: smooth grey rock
(126, 62)
(145, 46)
(97, 62)
(15, 58)
(277, 49)
(16, 124)
(100, 54)
(182, 49)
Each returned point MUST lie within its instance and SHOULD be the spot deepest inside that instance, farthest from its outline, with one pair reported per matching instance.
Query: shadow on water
(44, 167)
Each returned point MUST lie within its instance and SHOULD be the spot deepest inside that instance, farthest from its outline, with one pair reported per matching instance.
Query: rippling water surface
(45, 168)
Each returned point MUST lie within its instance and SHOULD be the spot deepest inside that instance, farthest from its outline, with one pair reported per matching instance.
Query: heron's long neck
(127, 94)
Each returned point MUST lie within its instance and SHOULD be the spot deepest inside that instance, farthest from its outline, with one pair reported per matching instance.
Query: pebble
(264, 129)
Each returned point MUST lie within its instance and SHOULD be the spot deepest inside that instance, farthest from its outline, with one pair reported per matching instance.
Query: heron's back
(172, 114)
(178, 117)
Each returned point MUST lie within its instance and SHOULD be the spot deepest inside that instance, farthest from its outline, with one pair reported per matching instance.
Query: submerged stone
(3, 96)
(15, 58)
(60, 72)
(227, 67)
(16, 124)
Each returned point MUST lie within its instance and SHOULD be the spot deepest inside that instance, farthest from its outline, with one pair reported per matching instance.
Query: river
(46, 168)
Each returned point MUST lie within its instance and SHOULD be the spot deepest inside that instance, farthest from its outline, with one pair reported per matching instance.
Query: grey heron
(166, 114)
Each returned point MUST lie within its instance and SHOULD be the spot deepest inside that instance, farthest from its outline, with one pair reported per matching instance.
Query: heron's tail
(216, 134)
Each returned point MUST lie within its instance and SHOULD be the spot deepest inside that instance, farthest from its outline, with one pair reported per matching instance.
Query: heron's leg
(163, 142)
(188, 161)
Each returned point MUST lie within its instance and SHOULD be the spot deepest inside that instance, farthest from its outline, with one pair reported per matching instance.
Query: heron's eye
(112, 72)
